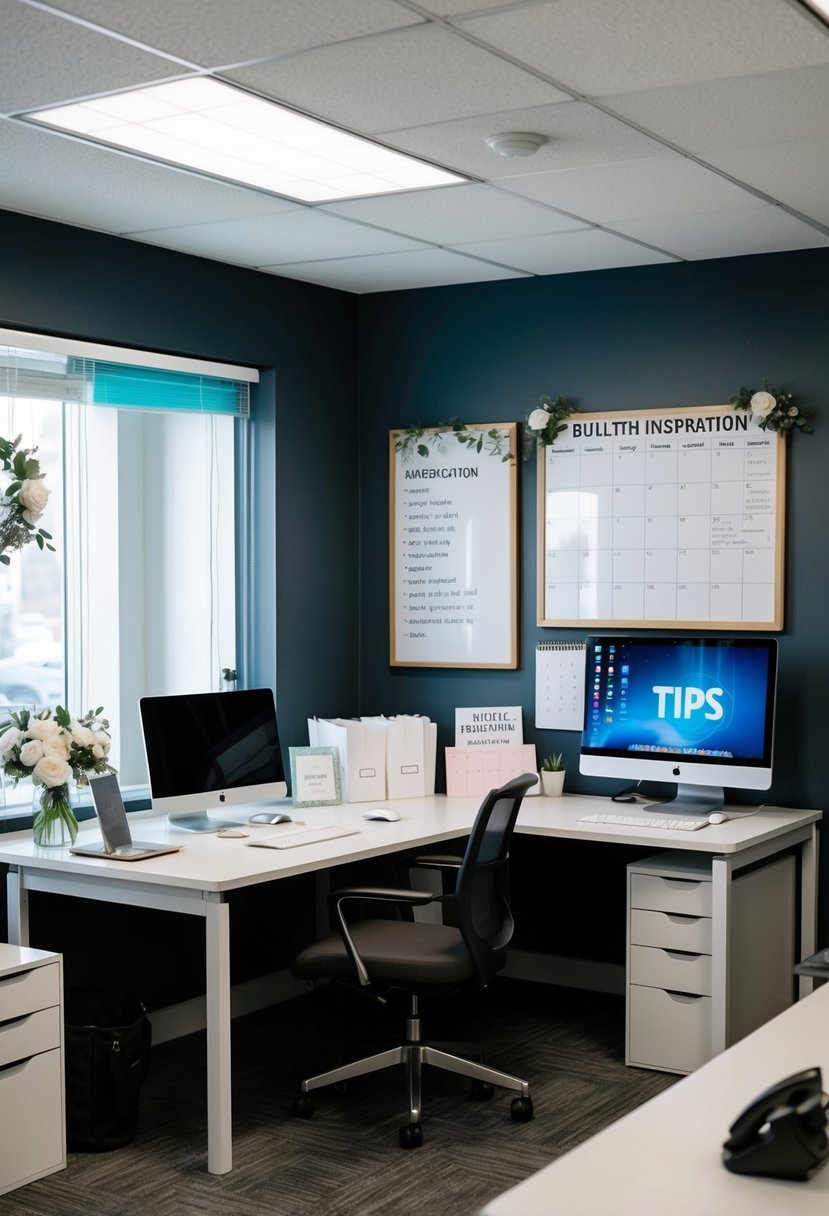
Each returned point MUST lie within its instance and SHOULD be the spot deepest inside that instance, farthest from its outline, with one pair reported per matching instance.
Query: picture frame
(453, 546)
(315, 776)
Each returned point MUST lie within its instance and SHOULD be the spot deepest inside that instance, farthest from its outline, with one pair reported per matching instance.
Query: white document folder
(362, 756)
(411, 745)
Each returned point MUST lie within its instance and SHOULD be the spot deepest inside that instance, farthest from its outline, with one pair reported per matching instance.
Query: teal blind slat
(39, 376)
(130, 387)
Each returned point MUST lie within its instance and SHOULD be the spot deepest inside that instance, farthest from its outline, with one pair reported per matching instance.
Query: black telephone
(782, 1133)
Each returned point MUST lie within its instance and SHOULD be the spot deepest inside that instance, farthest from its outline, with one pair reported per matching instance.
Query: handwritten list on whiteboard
(453, 533)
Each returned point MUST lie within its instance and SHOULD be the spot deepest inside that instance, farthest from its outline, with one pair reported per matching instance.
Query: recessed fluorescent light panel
(215, 129)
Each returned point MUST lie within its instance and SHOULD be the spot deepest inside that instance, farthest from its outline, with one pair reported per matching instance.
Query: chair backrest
(482, 888)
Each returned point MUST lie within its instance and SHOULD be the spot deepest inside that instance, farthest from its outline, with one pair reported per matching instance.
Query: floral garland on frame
(415, 439)
(545, 422)
(23, 502)
(771, 409)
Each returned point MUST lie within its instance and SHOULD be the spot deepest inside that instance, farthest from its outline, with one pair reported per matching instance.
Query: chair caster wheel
(521, 1110)
(481, 1091)
(303, 1107)
(411, 1135)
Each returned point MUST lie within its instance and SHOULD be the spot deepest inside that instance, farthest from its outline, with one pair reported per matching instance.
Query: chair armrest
(336, 900)
(444, 863)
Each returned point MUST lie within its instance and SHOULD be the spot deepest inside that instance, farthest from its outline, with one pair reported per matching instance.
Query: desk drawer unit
(32, 1135)
(669, 956)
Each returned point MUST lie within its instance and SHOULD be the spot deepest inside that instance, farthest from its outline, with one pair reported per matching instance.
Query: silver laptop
(118, 843)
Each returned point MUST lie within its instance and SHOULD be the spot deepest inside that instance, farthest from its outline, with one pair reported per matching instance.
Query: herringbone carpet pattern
(346, 1161)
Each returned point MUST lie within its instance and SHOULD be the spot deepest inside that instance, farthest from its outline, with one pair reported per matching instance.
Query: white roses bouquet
(24, 501)
(771, 409)
(54, 750)
(546, 422)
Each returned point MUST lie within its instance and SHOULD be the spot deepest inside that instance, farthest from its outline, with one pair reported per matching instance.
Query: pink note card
(474, 771)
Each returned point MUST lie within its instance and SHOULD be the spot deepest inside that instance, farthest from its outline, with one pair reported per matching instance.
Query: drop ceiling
(675, 130)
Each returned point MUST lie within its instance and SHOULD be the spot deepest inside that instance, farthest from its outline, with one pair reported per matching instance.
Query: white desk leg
(217, 950)
(17, 907)
(808, 906)
(720, 952)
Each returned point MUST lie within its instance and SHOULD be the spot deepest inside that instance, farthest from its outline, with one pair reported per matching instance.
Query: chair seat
(401, 952)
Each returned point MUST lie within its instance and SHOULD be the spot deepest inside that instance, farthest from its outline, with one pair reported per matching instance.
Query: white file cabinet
(32, 1132)
(670, 1019)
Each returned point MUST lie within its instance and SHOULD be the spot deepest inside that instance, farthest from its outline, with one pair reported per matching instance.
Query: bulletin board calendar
(660, 518)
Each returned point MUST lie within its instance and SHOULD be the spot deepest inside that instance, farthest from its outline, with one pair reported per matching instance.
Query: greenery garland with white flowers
(771, 409)
(417, 438)
(545, 422)
(24, 500)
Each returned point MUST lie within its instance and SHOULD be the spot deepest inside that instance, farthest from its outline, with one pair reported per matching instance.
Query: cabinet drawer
(668, 1030)
(31, 1120)
(689, 896)
(29, 1035)
(672, 931)
(659, 968)
(29, 990)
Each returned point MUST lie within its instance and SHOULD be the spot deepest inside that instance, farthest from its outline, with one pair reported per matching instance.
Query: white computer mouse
(382, 812)
(717, 817)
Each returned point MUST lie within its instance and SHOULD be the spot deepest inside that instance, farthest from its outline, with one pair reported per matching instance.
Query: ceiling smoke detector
(515, 143)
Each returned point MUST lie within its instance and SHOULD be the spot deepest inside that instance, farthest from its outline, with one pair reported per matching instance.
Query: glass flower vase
(54, 825)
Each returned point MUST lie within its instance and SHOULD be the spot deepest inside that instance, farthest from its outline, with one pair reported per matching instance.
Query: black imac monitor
(697, 712)
(209, 750)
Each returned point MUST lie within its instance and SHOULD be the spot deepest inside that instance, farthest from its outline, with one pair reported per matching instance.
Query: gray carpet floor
(346, 1160)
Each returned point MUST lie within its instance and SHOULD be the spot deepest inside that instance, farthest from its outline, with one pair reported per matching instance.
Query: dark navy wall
(677, 335)
(80, 284)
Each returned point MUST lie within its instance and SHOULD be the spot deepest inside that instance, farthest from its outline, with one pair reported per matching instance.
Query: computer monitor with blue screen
(697, 712)
(210, 750)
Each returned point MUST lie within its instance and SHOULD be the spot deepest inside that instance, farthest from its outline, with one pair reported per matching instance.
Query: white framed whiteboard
(660, 519)
(453, 579)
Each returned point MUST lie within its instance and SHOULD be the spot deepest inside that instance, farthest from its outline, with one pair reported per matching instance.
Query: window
(140, 595)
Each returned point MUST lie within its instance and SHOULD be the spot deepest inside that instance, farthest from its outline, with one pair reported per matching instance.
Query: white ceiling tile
(725, 234)
(458, 213)
(267, 239)
(590, 249)
(796, 174)
(405, 78)
(604, 193)
(212, 34)
(57, 178)
(395, 271)
(577, 133)
(765, 109)
(618, 46)
(45, 59)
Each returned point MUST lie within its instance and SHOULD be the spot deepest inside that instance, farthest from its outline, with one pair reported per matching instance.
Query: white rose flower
(56, 745)
(31, 752)
(762, 404)
(52, 771)
(9, 741)
(538, 419)
(82, 735)
(104, 740)
(97, 751)
(42, 728)
(793, 411)
(33, 496)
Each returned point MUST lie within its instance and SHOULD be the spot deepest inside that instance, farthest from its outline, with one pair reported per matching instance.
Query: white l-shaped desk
(196, 880)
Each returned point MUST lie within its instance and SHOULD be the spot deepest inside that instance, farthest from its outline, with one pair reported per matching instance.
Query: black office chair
(414, 956)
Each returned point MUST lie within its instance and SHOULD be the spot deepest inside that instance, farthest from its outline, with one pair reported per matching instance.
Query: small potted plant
(552, 775)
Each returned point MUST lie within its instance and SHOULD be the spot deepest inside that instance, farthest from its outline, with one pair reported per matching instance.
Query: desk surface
(665, 1157)
(211, 863)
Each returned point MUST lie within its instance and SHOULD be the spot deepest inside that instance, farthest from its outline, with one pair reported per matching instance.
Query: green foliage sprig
(545, 422)
(553, 764)
(23, 502)
(417, 439)
(771, 409)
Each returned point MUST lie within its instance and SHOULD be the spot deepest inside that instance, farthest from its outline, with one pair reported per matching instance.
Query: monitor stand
(200, 822)
(696, 801)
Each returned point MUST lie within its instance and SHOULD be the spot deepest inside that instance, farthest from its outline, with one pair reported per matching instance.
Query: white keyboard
(688, 824)
(292, 840)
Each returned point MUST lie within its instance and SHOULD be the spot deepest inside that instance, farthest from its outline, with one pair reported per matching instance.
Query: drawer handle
(682, 956)
(13, 1023)
(18, 1066)
(683, 998)
(682, 884)
(677, 919)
